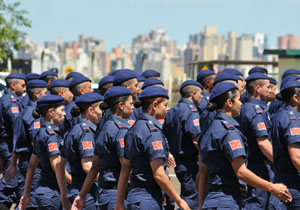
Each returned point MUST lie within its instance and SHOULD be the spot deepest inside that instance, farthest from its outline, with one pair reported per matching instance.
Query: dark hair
(187, 90)
(48, 78)
(205, 79)
(219, 102)
(31, 91)
(250, 86)
(112, 102)
(42, 111)
(81, 108)
(286, 95)
(144, 103)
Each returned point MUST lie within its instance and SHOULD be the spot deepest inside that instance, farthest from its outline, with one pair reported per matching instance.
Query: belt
(228, 190)
(108, 185)
(136, 183)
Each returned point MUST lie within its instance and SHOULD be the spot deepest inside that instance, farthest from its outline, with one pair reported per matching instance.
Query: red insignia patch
(235, 144)
(162, 121)
(36, 125)
(261, 126)
(131, 122)
(196, 122)
(87, 145)
(157, 145)
(295, 131)
(52, 147)
(15, 109)
(122, 143)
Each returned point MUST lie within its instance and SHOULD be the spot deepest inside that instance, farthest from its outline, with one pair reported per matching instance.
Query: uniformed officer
(28, 77)
(152, 82)
(141, 81)
(258, 69)
(73, 74)
(151, 73)
(241, 81)
(146, 152)
(105, 83)
(10, 107)
(286, 140)
(273, 87)
(223, 153)
(46, 151)
(255, 124)
(79, 148)
(182, 129)
(49, 76)
(60, 87)
(25, 130)
(109, 150)
(290, 72)
(80, 85)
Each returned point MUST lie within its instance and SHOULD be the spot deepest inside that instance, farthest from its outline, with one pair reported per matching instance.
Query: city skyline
(121, 20)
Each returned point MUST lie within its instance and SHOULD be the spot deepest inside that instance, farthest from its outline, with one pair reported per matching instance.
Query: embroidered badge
(36, 125)
(87, 145)
(196, 122)
(52, 147)
(122, 143)
(15, 109)
(295, 131)
(131, 122)
(235, 144)
(157, 145)
(261, 126)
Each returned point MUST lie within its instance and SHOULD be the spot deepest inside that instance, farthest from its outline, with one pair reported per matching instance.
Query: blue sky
(118, 21)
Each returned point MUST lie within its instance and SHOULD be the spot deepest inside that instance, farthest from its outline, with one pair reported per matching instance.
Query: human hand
(78, 203)
(281, 191)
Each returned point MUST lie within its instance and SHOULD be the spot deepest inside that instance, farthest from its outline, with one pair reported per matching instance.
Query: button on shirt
(144, 143)
(254, 123)
(222, 143)
(285, 131)
(181, 126)
(110, 145)
(80, 143)
(48, 143)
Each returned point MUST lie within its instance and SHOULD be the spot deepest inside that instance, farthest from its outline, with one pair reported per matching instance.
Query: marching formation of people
(232, 141)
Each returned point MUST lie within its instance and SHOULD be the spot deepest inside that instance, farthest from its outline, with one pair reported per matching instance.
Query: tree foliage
(12, 21)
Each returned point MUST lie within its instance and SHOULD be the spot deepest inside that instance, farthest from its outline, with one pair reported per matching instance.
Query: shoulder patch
(36, 125)
(50, 130)
(261, 126)
(84, 127)
(292, 115)
(196, 122)
(227, 125)
(157, 145)
(87, 145)
(162, 121)
(258, 109)
(151, 126)
(131, 122)
(295, 131)
(14, 109)
(122, 143)
(52, 147)
(193, 108)
(235, 144)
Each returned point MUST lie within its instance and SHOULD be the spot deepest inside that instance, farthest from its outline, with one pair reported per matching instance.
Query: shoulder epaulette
(227, 125)
(292, 115)
(258, 109)
(151, 126)
(50, 130)
(84, 127)
(193, 108)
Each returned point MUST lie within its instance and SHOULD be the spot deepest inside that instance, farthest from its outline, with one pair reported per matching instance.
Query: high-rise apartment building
(290, 41)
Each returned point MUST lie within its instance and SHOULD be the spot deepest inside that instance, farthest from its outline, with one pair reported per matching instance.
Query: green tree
(12, 21)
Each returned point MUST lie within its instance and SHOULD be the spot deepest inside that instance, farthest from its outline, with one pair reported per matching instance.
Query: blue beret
(47, 73)
(77, 80)
(258, 69)
(150, 73)
(225, 76)
(289, 72)
(32, 76)
(190, 82)
(116, 91)
(37, 83)
(141, 78)
(273, 81)
(152, 81)
(90, 97)
(123, 75)
(204, 73)
(73, 74)
(289, 85)
(232, 71)
(256, 76)
(50, 100)
(105, 80)
(288, 78)
(153, 92)
(59, 83)
(220, 89)
(113, 73)
(15, 76)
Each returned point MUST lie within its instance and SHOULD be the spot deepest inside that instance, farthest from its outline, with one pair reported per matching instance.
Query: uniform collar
(291, 109)
(14, 95)
(223, 116)
(256, 101)
(91, 125)
(48, 124)
(184, 100)
(31, 103)
(204, 93)
(147, 117)
(119, 121)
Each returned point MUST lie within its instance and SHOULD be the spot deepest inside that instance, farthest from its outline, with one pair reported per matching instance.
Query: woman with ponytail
(146, 153)
(223, 155)
(79, 149)
(46, 151)
(109, 149)
(285, 133)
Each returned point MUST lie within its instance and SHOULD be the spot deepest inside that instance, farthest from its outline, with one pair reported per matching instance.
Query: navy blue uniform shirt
(285, 131)
(80, 143)
(110, 147)
(144, 143)
(222, 143)
(181, 127)
(48, 143)
(254, 123)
